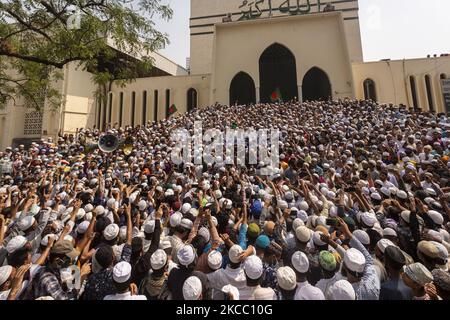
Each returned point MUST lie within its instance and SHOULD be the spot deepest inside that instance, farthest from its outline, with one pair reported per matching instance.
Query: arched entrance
(370, 92)
(191, 99)
(316, 85)
(277, 74)
(242, 89)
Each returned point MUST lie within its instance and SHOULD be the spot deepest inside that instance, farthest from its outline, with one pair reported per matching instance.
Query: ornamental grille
(33, 123)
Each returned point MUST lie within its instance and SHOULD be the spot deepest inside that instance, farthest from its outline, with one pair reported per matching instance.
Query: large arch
(242, 89)
(316, 85)
(277, 74)
(191, 102)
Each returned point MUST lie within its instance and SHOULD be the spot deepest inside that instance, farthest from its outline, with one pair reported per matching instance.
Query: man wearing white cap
(233, 273)
(253, 269)
(125, 289)
(187, 258)
(154, 285)
(359, 269)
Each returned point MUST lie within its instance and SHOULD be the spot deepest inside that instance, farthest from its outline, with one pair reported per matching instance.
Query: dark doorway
(370, 92)
(277, 74)
(316, 85)
(242, 89)
(191, 99)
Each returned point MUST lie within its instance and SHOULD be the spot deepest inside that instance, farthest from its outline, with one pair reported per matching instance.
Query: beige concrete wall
(178, 87)
(392, 80)
(79, 108)
(206, 13)
(293, 32)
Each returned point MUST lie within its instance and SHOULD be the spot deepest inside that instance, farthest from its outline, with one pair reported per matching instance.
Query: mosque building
(244, 51)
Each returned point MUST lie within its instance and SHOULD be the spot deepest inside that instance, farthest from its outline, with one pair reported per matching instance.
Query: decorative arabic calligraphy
(254, 9)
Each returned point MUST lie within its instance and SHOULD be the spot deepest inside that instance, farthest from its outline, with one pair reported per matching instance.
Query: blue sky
(393, 29)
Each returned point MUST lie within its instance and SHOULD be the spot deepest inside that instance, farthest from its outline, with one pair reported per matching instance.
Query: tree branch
(28, 25)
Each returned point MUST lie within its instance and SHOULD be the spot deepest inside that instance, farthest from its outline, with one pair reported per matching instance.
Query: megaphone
(108, 143)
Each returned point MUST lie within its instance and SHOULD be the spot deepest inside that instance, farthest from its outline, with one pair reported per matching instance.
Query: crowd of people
(357, 209)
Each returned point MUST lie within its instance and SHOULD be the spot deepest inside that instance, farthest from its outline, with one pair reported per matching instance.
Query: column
(300, 93)
(258, 98)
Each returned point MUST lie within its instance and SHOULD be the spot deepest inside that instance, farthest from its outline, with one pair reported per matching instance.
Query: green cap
(253, 230)
(327, 260)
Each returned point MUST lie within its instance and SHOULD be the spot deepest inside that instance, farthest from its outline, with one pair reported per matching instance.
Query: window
(120, 109)
(33, 123)
(110, 108)
(155, 106)
(144, 108)
(370, 92)
(167, 102)
(429, 88)
(412, 83)
(443, 76)
(133, 107)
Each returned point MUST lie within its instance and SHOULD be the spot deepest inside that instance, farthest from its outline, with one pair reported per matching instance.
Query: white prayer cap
(303, 205)
(234, 253)
(436, 217)
(316, 238)
(44, 241)
(122, 272)
(382, 244)
(204, 233)
(375, 196)
(309, 293)
(26, 223)
(158, 259)
(362, 236)
(169, 192)
(149, 226)
(354, 260)
(80, 214)
(192, 288)
(186, 223)
(389, 232)
(194, 212)
(405, 215)
(253, 267)
(301, 214)
(185, 207)
(111, 232)
(287, 279)
(88, 208)
(303, 234)
(175, 219)
(165, 244)
(282, 204)
(300, 262)
(142, 205)
(402, 194)
(341, 290)
(368, 219)
(214, 260)
(5, 273)
(231, 289)
(99, 210)
(297, 223)
(111, 203)
(82, 227)
(218, 194)
(186, 255)
(15, 244)
(385, 191)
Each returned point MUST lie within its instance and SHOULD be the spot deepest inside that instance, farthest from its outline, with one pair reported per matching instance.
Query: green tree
(112, 39)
